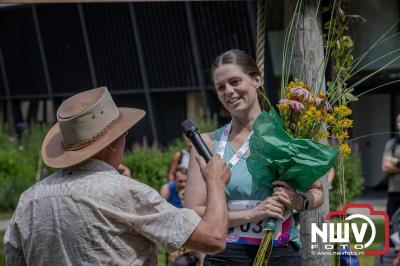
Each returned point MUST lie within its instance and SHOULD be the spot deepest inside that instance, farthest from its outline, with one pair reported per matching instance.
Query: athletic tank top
(242, 189)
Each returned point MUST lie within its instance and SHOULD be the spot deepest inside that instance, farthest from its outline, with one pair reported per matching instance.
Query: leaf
(347, 42)
(350, 97)
(330, 84)
(324, 9)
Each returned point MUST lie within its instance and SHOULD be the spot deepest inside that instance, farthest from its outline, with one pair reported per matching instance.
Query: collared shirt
(92, 215)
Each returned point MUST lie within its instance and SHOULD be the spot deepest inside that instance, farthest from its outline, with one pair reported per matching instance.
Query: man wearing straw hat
(88, 214)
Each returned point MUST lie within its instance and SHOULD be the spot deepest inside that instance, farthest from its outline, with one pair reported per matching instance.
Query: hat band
(87, 142)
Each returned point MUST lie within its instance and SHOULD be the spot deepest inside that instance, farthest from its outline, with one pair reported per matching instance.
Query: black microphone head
(188, 126)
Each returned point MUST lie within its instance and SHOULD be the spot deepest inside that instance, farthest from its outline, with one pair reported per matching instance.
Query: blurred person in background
(391, 166)
(172, 191)
(180, 160)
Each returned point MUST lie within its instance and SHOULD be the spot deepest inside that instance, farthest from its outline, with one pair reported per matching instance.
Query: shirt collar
(92, 164)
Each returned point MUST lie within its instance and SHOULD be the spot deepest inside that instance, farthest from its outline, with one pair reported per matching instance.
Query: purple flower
(301, 92)
(283, 101)
(294, 104)
(297, 106)
(319, 100)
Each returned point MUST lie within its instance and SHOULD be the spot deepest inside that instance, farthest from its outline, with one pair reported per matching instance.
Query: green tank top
(241, 187)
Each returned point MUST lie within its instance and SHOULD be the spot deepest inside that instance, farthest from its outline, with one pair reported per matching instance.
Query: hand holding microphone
(212, 168)
(192, 133)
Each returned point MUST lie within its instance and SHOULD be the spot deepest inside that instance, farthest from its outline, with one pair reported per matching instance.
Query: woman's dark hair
(239, 58)
(242, 60)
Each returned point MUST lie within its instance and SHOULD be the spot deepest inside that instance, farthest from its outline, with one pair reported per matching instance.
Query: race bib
(252, 233)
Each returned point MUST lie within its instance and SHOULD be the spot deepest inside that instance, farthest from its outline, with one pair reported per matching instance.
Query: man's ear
(114, 145)
(111, 148)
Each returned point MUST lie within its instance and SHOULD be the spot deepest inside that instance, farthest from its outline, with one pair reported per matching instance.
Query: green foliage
(207, 124)
(16, 175)
(150, 165)
(19, 163)
(353, 181)
(339, 47)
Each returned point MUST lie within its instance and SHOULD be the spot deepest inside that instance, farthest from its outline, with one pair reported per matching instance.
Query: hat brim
(56, 157)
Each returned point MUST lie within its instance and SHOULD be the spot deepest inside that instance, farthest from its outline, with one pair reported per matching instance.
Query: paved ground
(376, 198)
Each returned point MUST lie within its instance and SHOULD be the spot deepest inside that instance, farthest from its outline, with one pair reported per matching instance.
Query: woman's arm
(195, 195)
(389, 164)
(173, 166)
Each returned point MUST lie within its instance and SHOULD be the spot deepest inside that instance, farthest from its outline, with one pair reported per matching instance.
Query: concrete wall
(380, 16)
(371, 114)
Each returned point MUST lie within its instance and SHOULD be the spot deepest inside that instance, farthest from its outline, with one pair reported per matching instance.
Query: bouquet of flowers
(288, 142)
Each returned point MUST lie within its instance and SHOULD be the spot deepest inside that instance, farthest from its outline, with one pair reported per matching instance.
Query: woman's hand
(287, 195)
(269, 208)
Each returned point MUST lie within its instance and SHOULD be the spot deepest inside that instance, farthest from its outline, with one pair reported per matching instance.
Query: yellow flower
(311, 111)
(328, 118)
(346, 123)
(345, 149)
(318, 114)
(302, 84)
(323, 135)
(342, 110)
(292, 84)
(341, 136)
(283, 106)
(304, 118)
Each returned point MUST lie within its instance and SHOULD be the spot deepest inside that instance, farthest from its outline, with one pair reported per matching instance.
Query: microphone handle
(201, 147)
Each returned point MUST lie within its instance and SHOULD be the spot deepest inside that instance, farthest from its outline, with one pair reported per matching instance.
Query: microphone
(191, 131)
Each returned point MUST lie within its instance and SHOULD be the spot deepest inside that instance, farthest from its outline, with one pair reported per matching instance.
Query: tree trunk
(307, 57)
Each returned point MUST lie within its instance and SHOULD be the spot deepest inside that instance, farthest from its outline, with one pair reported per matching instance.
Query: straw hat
(86, 123)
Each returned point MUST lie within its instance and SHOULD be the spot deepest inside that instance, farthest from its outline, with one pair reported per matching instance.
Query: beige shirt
(92, 215)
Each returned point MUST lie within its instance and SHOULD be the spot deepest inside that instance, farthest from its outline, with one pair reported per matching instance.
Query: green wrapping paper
(299, 162)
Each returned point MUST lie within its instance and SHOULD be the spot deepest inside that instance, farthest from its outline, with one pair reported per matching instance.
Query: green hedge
(353, 181)
(150, 165)
(19, 162)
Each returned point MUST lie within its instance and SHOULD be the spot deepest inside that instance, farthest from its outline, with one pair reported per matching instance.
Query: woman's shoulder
(208, 137)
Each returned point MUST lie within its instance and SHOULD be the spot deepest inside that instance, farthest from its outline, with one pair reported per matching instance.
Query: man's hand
(215, 170)
(124, 170)
(270, 208)
(287, 195)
